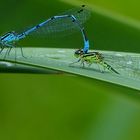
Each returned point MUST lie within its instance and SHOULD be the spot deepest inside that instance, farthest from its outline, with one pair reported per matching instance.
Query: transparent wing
(126, 64)
(64, 25)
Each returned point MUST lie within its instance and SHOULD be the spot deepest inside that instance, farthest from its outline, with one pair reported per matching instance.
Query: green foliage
(55, 105)
(66, 107)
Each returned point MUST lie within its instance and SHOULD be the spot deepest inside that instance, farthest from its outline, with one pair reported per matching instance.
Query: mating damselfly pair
(70, 20)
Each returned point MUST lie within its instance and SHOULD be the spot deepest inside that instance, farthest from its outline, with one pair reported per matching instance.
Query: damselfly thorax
(9, 38)
(92, 57)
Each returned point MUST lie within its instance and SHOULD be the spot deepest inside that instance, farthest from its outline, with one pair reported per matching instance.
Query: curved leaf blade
(60, 59)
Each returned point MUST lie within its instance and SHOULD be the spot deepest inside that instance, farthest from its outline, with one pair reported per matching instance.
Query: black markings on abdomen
(38, 26)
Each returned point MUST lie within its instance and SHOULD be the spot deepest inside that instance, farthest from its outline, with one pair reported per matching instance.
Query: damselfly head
(78, 53)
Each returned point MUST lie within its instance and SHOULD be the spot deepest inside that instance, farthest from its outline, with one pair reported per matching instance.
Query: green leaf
(127, 64)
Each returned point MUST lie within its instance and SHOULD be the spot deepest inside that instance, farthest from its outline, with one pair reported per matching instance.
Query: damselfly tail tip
(83, 5)
(115, 71)
(111, 68)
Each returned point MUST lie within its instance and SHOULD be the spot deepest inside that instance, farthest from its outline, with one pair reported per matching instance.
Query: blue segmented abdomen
(62, 24)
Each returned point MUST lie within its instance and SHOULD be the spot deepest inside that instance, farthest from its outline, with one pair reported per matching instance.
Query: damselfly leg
(22, 52)
(2, 48)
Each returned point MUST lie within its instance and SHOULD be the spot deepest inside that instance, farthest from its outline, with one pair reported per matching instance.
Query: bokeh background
(59, 106)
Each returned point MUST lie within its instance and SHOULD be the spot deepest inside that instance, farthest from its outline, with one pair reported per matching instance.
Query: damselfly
(92, 57)
(124, 64)
(69, 20)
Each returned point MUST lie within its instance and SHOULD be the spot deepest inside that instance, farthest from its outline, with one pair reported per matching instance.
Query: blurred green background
(104, 32)
(58, 106)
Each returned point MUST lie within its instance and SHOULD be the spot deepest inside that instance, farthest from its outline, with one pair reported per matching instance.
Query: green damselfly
(93, 57)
